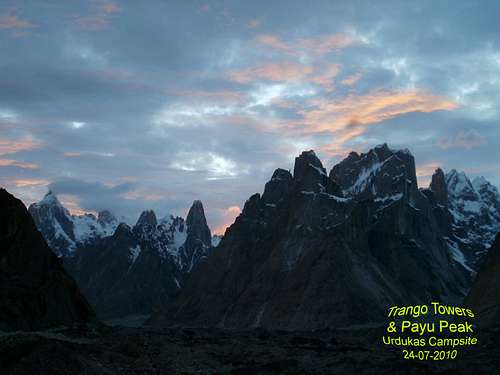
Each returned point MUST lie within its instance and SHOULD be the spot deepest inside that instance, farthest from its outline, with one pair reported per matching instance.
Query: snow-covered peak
(479, 181)
(63, 231)
(475, 207)
(50, 199)
(459, 185)
(380, 172)
(485, 189)
(385, 148)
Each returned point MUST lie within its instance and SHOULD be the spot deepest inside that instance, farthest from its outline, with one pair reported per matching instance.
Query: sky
(131, 105)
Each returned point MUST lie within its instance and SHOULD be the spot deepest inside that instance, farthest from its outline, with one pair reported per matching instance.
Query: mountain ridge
(316, 250)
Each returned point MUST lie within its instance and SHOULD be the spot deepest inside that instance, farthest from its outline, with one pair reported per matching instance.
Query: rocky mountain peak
(460, 186)
(488, 192)
(63, 231)
(198, 232)
(122, 230)
(380, 172)
(105, 217)
(196, 214)
(50, 204)
(277, 187)
(50, 198)
(309, 175)
(297, 249)
(438, 186)
(147, 219)
(306, 161)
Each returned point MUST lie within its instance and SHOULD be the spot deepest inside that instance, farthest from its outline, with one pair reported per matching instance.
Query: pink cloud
(425, 172)
(29, 182)
(19, 164)
(9, 146)
(275, 43)
(227, 217)
(352, 79)
(326, 43)
(349, 117)
(73, 205)
(320, 45)
(374, 107)
(326, 77)
(283, 71)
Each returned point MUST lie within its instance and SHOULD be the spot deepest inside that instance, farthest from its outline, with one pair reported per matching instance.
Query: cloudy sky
(131, 105)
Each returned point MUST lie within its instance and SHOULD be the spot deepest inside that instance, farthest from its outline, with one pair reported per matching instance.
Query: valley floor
(120, 350)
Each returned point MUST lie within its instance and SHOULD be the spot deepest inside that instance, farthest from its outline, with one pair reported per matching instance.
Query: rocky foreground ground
(119, 350)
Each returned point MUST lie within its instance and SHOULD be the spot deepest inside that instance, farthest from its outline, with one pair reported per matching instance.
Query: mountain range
(316, 249)
(125, 270)
(320, 250)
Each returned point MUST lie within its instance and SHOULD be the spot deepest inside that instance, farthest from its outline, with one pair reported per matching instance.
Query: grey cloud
(116, 79)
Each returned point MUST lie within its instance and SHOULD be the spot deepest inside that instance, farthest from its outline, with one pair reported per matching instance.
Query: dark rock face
(381, 172)
(199, 239)
(35, 290)
(439, 187)
(146, 224)
(484, 297)
(138, 270)
(316, 252)
(122, 276)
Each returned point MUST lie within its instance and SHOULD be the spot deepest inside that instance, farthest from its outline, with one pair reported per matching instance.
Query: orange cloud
(228, 215)
(350, 116)
(316, 45)
(15, 163)
(326, 77)
(28, 182)
(326, 43)
(13, 22)
(352, 79)
(284, 71)
(288, 71)
(275, 43)
(370, 108)
(73, 205)
(8, 146)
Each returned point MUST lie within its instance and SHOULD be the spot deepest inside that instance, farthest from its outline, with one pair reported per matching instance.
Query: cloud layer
(123, 106)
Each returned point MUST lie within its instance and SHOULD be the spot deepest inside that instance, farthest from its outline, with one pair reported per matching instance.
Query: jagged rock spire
(438, 186)
(197, 227)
